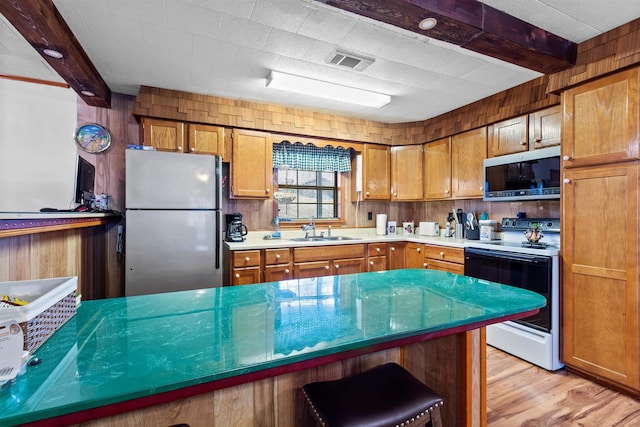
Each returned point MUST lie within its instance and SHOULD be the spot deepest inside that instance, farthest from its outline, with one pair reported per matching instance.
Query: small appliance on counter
(429, 228)
(236, 230)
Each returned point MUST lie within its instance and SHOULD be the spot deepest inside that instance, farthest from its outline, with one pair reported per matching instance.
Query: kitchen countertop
(255, 239)
(121, 349)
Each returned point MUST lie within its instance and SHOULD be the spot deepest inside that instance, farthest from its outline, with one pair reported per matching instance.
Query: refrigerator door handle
(218, 240)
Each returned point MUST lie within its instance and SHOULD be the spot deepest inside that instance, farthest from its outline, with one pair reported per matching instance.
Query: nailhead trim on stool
(387, 395)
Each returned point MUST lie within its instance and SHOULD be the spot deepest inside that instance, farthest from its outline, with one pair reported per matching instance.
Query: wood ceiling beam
(475, 26)
(43, 27)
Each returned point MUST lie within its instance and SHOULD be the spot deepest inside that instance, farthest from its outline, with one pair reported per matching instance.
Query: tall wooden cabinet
(600, 284)
(251, 165)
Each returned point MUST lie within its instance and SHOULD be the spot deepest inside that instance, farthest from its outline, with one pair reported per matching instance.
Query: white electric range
(515, 261)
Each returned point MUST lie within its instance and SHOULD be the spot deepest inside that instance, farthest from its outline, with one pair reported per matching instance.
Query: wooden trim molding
(36, 81)
(22, 227)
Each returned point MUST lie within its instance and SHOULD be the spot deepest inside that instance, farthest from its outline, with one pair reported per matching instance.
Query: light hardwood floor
(521, 394)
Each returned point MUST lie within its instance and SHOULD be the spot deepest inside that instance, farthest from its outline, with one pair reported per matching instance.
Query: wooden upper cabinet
(206, 139)
(468, 150)
(545, 127)
(179, 137)
(375, 172)
(601, 121)
(406, 172)
(508, 136)
(164, 135)
(437, 169)
(251, 165)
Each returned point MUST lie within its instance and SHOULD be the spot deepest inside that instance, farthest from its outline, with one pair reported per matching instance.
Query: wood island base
(454, 366)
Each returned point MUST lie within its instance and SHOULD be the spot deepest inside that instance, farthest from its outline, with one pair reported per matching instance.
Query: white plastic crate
(51, 302)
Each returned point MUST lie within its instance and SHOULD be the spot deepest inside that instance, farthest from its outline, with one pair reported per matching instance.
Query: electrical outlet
(369, 216)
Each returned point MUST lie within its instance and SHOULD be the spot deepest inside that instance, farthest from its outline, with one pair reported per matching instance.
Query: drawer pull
(247, 259)
(237, 276)
(442, 254)
(286, 270)
(370, 262)
(326, 267)
(425, 265)
(277, 256)
(418, 249)
(378, 249)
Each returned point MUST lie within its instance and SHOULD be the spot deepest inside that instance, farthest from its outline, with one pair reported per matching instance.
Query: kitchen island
(239, 355)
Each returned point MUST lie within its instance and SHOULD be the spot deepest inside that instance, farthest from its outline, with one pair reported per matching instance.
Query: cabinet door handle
(367, 193)
(523, 142)
(418, 249)
(378, 249)
(326, 267)
(268, 191)
(370, 262)
(393, 248)
(395, 194)
(425, 265)
(538, 140)
(179, 148)
(237, 276)
(566, 180)
(446, 191)
(286, 270)
(566, 158)
(193, 148)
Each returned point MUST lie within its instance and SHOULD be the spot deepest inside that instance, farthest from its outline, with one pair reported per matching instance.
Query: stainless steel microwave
(531, 175)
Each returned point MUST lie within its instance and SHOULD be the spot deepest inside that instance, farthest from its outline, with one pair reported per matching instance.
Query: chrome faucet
(311, 226)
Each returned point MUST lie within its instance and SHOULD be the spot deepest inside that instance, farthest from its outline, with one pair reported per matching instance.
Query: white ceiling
(226, 48)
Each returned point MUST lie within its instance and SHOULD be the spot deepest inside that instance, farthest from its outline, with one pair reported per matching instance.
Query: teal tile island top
(127, 349)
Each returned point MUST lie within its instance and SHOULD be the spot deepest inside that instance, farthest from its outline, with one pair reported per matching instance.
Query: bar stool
(386, 395)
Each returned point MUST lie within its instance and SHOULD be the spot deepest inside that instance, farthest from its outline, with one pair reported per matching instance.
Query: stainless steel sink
(323, 239)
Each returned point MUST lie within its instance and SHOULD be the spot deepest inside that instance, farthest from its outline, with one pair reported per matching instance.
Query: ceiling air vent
(349, 60)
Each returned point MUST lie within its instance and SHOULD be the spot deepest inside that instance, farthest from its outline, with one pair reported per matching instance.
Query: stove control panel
(544, 224)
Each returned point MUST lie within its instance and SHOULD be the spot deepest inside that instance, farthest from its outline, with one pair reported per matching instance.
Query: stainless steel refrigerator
(173, 238)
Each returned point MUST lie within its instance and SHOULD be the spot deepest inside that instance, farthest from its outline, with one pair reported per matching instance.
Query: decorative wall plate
(92, 138)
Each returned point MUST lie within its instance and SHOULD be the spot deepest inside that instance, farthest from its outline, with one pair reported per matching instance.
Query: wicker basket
(52, 302)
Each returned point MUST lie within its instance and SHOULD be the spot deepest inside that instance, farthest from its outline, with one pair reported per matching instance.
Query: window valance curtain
(311, 157)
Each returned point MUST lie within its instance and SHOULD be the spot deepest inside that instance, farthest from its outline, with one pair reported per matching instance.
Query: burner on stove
(536, 245)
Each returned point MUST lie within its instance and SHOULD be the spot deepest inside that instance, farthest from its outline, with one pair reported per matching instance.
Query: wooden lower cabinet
(245, 267)
(376, 257)
(445, 258)
(277, 265)
(600, 285)
(395, 255)
(414, 255)
(331, 260)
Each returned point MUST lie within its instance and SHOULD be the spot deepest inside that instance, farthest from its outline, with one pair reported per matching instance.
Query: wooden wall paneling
(612, 51)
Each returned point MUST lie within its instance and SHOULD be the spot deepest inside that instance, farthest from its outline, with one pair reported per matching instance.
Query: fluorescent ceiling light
(304, 85)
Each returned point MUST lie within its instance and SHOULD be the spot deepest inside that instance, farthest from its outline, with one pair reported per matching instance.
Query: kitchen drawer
(377, 249)
(246, 258)
(451, 267)
(277, 256)
(445, 253)
(321, 253)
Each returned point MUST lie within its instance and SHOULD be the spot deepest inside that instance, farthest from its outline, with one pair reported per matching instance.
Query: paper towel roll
(381, 224)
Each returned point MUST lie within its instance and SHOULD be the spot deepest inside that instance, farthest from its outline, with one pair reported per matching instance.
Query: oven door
(531, 272)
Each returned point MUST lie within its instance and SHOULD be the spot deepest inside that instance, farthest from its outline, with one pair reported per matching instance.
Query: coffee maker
(236, 230)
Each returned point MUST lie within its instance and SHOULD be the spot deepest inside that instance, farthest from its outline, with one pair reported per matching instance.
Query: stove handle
(506, 255)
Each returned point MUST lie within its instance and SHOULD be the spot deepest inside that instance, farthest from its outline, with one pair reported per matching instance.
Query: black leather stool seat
(386, 395)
